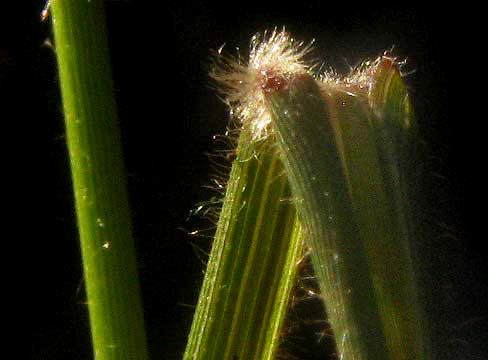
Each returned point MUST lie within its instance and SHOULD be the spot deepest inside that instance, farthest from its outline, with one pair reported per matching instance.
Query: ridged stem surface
(252, 264)
(99, 182)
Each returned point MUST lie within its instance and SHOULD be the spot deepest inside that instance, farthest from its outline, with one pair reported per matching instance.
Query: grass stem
(99, 182)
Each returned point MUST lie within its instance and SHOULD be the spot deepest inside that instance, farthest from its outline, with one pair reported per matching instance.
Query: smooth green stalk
(252, 264)
(98, 173)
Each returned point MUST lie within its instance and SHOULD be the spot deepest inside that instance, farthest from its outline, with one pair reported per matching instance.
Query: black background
(168, 115)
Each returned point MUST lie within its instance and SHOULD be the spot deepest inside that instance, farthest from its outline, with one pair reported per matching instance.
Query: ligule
(340, 148)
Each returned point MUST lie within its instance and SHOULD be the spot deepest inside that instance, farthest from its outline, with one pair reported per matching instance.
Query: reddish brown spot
(270, 81)
(274, 83)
